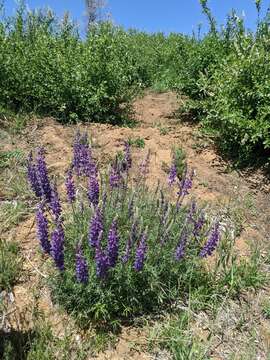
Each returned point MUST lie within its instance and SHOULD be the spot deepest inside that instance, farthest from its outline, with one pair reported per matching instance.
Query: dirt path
(160, 131)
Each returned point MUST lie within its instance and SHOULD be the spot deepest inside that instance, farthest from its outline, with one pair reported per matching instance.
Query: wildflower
(113, 244)
(95, 228)
(192, 211)
(140, 255)
(93, 190)
(144, 166)
(186, 183)
(101, 259)
(57, 246)
(173, 173)
(55, 204)
(180, 250)
(43, 177)
(81, 266)
(212, 241)
(70, 187)
(198, 225)
(32, 176)
(82, 156)
(130, 241)
(127, 157)
(42, 229)
(114, 176)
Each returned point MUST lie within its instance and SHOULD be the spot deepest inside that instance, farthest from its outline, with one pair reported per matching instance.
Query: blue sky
(152, 15)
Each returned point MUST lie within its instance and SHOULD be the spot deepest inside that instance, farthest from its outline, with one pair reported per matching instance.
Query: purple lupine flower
(70, 187)
(144, 166)
(114, 176)
(113, 244)
(32, 176)
(181, 248)
(130, 242)
(42, 229)
(76, 163)
(101, 259)
(82, 156)
(57, 246)
(95, 227)
(212, 241)
(127, 157)
(192, 211)
(186, 183)
(43, 177)
(81, 266)
(55, 204)
(140, 255)
(93, 190)
(198, 225)
(172, 173)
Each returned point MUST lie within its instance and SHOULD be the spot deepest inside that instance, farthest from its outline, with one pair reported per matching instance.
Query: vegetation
(114, 252)
(47, 68)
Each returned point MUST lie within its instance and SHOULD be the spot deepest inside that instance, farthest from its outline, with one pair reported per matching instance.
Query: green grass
(10, 264)
(137, 142)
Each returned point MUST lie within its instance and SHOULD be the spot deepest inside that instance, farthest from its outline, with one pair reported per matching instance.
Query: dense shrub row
(47, 68)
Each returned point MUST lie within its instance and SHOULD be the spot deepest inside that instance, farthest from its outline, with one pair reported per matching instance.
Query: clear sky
(153, 15)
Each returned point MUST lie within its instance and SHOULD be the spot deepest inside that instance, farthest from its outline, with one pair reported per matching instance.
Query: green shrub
(46, 68)
(238, 106)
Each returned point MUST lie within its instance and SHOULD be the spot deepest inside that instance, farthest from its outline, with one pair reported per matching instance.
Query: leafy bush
(46, 68)
(126, 251)
(238, 106)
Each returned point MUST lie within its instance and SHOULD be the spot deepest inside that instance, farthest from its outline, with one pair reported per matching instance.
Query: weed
(138, 142)
(10, 264)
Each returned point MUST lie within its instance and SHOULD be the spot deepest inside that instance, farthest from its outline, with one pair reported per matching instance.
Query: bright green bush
(46, 68)
(239, 104)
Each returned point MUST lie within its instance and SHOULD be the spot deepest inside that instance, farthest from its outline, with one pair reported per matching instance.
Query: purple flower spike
(55, 204)
(113, 244)
(95, 228)
(186, 183)
(127, 157)
(114, 176)
(81, 266)
(144, 166)
(101, 260)
(93, 190)
(32, 176)
(140, 255)
(42, 230)
(192, 211)
(212, 241)
(173, 173)
(181, 248)
(70, 187)
(43, 177)
(82, 155)
(198, 225)
(57, 246)
(130, 242)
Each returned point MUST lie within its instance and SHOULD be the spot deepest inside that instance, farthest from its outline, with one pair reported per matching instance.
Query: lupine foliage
(130, 251)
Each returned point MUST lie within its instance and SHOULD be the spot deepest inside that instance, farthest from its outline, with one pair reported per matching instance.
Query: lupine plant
(120, 250)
